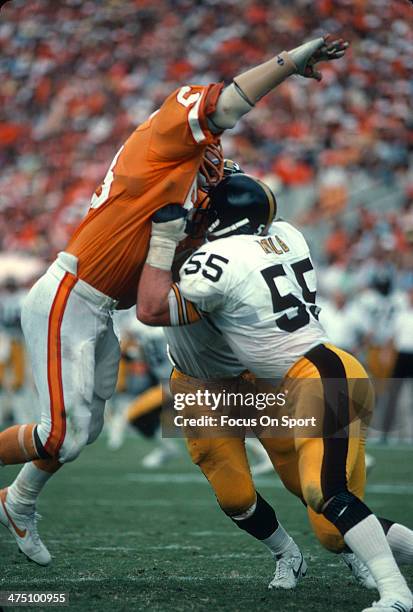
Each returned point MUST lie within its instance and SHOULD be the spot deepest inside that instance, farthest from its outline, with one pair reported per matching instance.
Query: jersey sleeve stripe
(181, 311)
(173, 307)
(194, 123)
(178, 298)
(192, 312)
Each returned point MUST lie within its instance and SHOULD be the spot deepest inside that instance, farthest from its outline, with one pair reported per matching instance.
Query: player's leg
(224, 463)
(331, 538)
(281, 452)
(42, 320)
(399, 537)
(18, 507)
(325, 468)
(402, 370)
(66, 362)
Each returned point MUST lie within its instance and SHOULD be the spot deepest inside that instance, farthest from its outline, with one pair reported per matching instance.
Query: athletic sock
(23, 492)
(368, 541)
(279, 542)
(400, 539)
(260, 521)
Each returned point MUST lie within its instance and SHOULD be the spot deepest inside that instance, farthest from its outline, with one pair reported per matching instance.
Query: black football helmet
(240, 204)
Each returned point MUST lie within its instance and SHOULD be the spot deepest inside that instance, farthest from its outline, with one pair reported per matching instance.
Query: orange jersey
(157, 165)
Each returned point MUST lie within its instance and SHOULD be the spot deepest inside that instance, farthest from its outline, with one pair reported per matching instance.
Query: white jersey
(341, 324)
(200, 350)
(376, 314)
(260, 292)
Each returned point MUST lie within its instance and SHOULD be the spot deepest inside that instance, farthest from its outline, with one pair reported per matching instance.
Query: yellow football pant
(15, 364)
(149, 400)
(315, 468)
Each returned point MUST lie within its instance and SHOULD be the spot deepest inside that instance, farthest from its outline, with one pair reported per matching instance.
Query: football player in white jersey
(259, 291)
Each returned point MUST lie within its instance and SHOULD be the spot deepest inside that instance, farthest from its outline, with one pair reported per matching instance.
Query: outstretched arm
(159, 301)
(250, 86)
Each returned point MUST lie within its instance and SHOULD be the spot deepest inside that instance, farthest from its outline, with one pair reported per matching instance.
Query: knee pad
(345, 510)
(65, 451)
(236, 498)
(233, 487)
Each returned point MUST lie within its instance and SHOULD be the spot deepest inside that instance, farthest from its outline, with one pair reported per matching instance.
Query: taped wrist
(181, 310)
(261, 522)
(161, 252)
(345, 510)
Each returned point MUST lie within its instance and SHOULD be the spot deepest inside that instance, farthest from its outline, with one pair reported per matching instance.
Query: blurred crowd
(77, 77)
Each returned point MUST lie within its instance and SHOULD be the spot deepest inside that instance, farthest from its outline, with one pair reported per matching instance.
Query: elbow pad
(231, 106)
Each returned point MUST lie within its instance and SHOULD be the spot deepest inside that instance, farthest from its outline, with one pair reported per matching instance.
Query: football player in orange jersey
(66, 317)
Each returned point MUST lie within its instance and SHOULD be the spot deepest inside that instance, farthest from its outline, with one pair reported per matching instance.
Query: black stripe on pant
(336, 419)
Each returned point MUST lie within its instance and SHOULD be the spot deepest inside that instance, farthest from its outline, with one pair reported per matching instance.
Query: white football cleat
(359, 570)
(160, 455)
(390, 605)
(290, 567)
(24, 529)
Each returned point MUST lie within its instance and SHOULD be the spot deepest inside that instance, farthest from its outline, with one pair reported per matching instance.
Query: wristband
(161, 252)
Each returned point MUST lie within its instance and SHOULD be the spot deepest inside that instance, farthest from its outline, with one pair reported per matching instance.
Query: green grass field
(124, 538)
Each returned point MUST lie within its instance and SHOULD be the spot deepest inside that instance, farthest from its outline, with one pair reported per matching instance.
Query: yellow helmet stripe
(272, 204)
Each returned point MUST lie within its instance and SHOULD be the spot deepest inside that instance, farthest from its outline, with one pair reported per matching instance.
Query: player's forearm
(160, 302)
(152, 306)
(250, 86)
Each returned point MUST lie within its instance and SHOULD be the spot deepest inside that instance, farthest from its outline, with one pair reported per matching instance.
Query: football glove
(306, 56)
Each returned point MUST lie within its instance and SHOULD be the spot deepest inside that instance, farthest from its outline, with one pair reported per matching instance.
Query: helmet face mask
(198, 220)
(211, 170)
